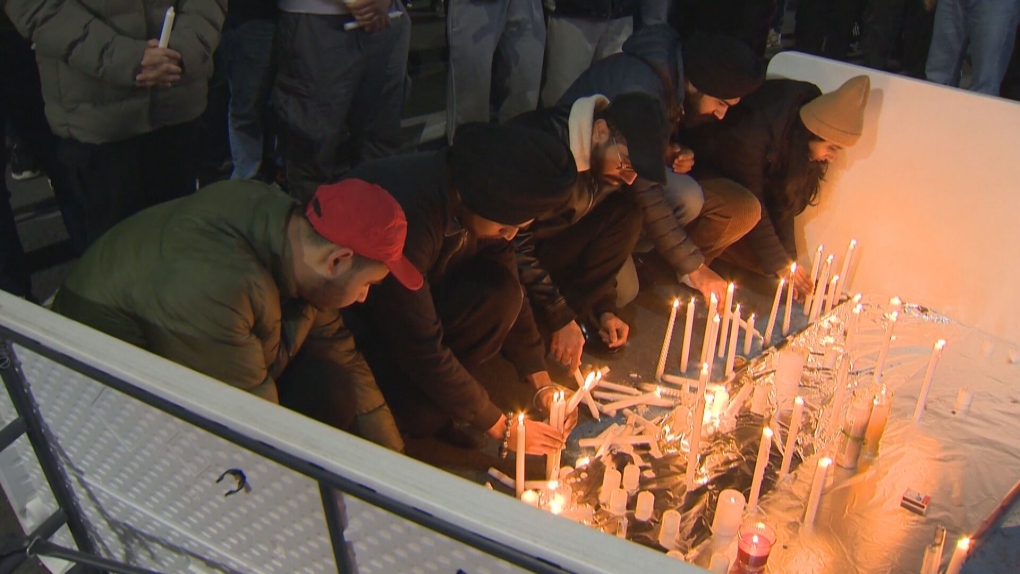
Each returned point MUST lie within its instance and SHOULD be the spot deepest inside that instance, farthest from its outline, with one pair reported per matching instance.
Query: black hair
(795, 182)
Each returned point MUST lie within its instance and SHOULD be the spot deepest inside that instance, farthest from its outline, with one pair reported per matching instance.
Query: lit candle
(814, 277)
(884, 351)
(759, 466)
(791, 436)
(660, 367)
(959, 556)
(695, 442)
(727, 317)
(775, 310)
(530, 497)
(830, 295)
(789, 300)
(895, 305)
(851, 328)
(685, 354)
(816, 490)
(706, 343)
(936, 352)
(731, 351)
(519, 479)
(713, 333)
(852, 437)
(669, 529)
(557, 416)
(749, 334)
(728, 513)
(816, 300)
(575, 399)
(845, 268)
(754, 544)
(168, 26)
(876, 424)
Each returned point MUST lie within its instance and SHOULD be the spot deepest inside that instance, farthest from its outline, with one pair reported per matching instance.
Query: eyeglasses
(624, 165)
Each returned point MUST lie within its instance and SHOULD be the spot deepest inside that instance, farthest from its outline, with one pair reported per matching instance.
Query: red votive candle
(754, 543)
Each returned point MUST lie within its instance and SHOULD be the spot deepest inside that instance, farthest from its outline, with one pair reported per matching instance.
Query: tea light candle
(959, 556)
(764, 449)
(685, 353)
(814, 277)
(929, 374)
(645, 505)
(876, 424)
(669, 529)
(727, 317)
(791, 436)
(789, 300)
(814, 498)
(519, 460)
(754, 544)
(771, 325)
(660, 367)
(728, 513)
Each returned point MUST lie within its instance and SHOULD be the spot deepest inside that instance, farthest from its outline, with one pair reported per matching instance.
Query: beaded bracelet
(504, 447)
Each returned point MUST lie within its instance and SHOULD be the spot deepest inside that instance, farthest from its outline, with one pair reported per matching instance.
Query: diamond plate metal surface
(147, 484)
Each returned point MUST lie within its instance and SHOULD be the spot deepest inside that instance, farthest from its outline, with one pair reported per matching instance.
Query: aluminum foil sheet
(965, 461)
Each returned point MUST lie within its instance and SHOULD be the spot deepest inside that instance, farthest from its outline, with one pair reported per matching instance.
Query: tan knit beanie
(838, 116)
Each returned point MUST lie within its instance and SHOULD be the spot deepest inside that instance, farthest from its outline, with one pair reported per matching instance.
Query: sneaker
(23, 165)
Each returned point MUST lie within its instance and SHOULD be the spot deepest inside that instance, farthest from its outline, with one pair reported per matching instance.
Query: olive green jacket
(89, 52)
(207, 281)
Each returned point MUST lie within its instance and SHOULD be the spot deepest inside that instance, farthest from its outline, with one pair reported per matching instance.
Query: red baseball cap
(364, 217)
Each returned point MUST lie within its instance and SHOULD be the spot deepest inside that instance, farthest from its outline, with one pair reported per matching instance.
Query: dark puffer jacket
(597, 9)
(747, 147)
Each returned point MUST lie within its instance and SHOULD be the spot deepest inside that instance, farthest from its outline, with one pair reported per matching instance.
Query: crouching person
(241, 283)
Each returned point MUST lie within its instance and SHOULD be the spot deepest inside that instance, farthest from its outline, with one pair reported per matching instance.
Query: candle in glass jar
(754, 544)
(764, 448)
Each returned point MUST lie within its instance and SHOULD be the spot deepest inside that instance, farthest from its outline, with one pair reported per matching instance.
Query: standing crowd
(368, 293)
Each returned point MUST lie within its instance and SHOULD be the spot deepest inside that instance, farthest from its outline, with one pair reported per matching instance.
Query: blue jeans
(988, 26)
(248, 51)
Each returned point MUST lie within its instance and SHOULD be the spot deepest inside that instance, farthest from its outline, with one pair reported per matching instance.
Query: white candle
(759, 399)
(660, 367)
(670, 529)
(851, 328)
(575, 399)
(816, 300)
(728, 513)
(622, 389)
(519, 479)
(839, 394)
(814, 277)
(706, 343)
(789, 370)
(854, 428)
(831, 296)
(845, 268)
(727, 317)
(759, 466)
(634, 401)
(882, 404)
(749, 334)
(731, 351)
(168, 26)
(557, 417)
(884, 351)
(959, 556)
(530, 497)
(631, 478)
(713, 333)
(791, 436)
(895, 305)
(963, 399)
(617, 502)
(645, 505)
(789, 300)
(695, 442)
(610, 482)
(936, 352)
(816, 489)
(771, 325)
(685, 354)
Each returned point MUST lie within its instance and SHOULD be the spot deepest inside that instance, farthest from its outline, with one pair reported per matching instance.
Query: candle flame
(520, 419)
(704, 369)
(853, 243)
(714, 299)
(940, 343)
(554, 484)
(828, 260)
(835, 278)
(964, 543)
(895, 301)
(821, 248)
(793, 266)
(715, 319)
(782, 281)
(893, 316)
(798, 401)
(658, 391)
(754, 540)
(676, 303)
(824, 462)
(858, 308)
(589, 380)
(582, 462)
(857, 298)
(693, 299)
(766, 433)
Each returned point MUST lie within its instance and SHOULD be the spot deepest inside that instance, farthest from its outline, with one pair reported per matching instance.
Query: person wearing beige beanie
(778, 144)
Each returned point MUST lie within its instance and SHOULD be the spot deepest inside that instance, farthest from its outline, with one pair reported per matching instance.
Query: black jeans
(584, 259)
(825, 27)
(119, 179)
(885, 22)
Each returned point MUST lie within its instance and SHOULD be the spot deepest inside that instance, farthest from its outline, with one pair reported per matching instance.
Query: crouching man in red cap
(241, 283)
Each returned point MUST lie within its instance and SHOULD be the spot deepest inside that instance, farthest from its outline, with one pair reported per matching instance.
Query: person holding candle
(779, 144)
(464, 207)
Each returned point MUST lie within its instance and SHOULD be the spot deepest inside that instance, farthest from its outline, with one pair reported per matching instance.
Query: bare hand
(371, 14)
(801, 282)
(539, 438)
(161, 67)
(613, 330)
(542, 380)
(708, 282)
(567, 345)
(683, 162)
